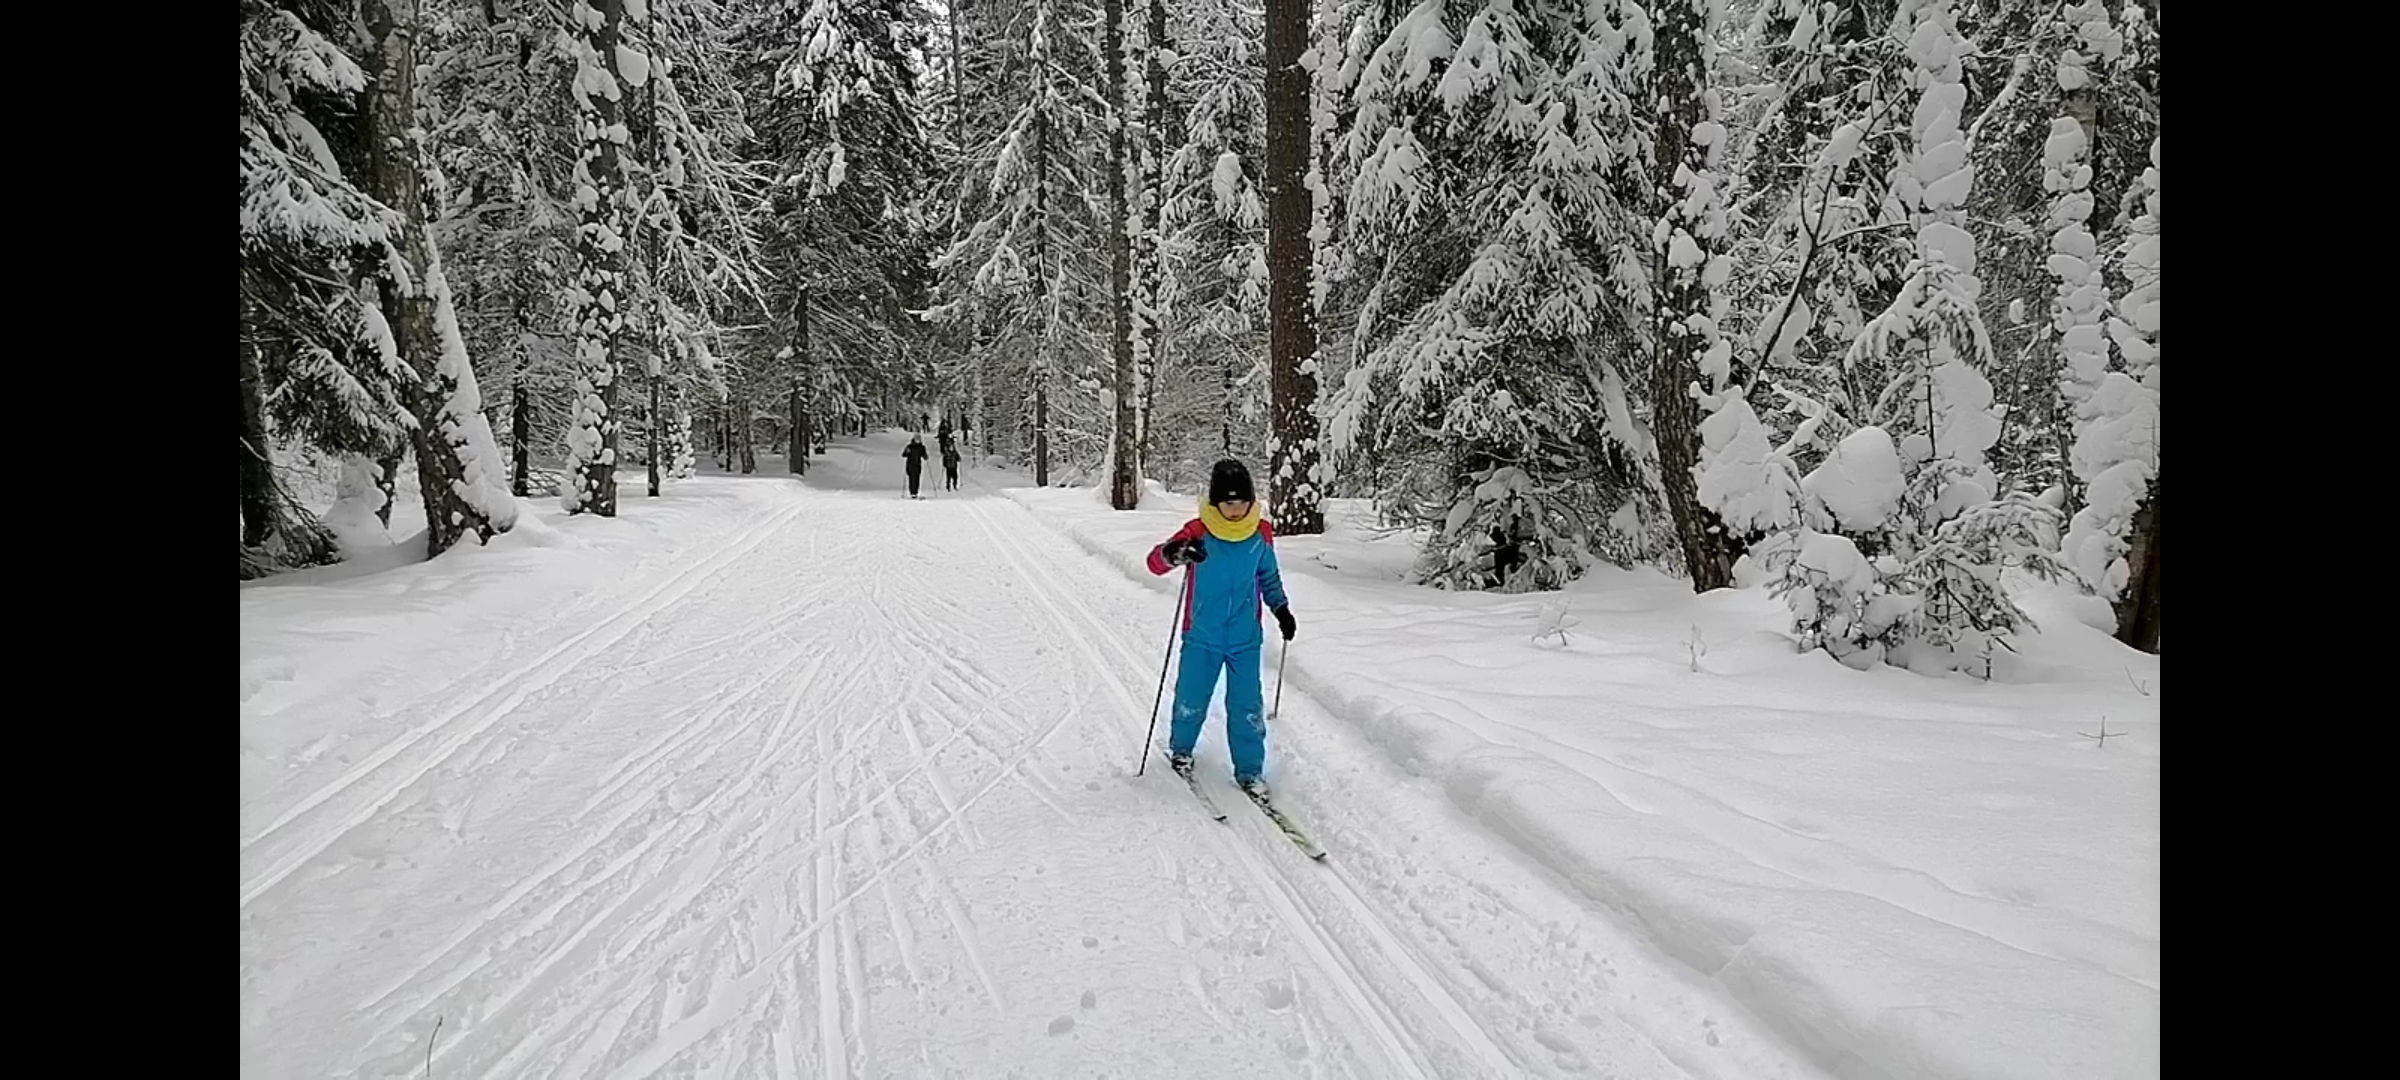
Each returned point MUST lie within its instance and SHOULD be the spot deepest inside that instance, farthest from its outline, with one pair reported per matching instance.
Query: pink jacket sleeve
(1158, 562)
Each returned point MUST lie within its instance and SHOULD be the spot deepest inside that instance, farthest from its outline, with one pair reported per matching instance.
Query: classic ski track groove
(726, 891)
(540, 877)
(1275, 885)
(834, 1062)
(695, 822)
(687, 884)
(1039, 788)
(537, 675)
(695, 1028)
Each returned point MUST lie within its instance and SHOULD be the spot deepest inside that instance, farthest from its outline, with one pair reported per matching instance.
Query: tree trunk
(657, 429)
(409, 306)
(747, 434)
(601, 294)
(2137, 610)
(258, 478)
(1041, 433)
(1680, 297)
(1150, 316)
(1225, 403)
(658, 328)
(796, 458)
(520, 435)
(1041, 298)
(1124, 488)
(1291, 315)
(387, 481)
(808, 373)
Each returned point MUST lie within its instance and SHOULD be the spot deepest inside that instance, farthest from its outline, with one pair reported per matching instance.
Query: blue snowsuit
(1222, 595)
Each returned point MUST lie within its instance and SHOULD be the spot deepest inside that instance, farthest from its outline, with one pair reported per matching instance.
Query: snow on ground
(808, 779)
(1900, 876)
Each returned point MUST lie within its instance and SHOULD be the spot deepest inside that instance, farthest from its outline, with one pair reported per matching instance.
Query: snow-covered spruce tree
(1026, 262)
(1908, 531)
(460, 472)
(1207, 398)
(836, 107)
(1816, 150)
(1494, 176)
(305, 228)
(599, 292)
(501, 141)
(2113, 542)
(695, 206)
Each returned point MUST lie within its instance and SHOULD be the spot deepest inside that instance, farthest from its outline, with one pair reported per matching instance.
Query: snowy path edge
(1770, 954)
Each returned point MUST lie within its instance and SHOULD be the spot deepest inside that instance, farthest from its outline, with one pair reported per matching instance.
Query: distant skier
(950, 466)
(1230, 555)
(912, 457)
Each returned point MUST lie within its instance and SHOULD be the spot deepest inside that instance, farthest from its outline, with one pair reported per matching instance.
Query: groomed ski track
(845, 790)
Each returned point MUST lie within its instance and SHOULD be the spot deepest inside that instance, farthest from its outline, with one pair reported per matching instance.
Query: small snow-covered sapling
(1553, 619)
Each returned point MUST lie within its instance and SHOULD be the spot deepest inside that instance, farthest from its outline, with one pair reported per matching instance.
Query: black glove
(1284, 620)
(1183, 552)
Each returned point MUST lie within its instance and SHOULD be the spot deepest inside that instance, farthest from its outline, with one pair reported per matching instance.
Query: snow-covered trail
(846, 790)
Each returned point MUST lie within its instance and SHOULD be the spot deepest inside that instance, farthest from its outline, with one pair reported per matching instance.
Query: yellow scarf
(1230, 531)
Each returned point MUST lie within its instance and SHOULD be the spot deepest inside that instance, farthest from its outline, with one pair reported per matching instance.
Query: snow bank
(1904, 877)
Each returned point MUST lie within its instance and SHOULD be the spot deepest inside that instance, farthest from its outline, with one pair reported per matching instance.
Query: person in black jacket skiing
(950, 466)
(913, 459)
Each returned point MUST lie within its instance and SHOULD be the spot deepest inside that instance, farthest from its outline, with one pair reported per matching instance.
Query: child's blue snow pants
(1245, 714)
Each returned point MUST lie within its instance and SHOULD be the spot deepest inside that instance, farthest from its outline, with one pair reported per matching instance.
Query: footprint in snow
(1062, 1025)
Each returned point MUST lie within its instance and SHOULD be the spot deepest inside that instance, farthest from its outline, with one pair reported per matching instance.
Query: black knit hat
(1230, 479)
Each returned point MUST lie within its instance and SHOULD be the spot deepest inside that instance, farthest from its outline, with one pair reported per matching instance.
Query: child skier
(1229, 553)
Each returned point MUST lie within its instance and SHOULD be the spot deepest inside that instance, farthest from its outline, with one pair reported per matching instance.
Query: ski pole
(1180, 597)
(1280, 660)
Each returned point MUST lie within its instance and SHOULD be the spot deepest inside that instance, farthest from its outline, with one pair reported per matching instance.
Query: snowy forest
(1858, 300)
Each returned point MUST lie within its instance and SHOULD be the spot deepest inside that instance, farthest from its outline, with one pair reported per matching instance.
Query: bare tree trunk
(2137, 610)
(657, 430)
(1041, 297)
(658, 330)
(258, 478)
(808, 375)
(1124, 488)
(409, 306)
(798, 454)
(1225, 404)
(1291, 315)
(1680, 297)
(520, 429)
(1041, 433)
(748, 435)
(1151, 296)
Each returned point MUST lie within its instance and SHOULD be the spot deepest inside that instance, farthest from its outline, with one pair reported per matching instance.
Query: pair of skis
(1282, 824)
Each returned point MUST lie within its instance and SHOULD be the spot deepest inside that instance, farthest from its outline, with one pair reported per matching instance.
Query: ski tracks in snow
(1387, 1020)
(858, 805)
(280, 857)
